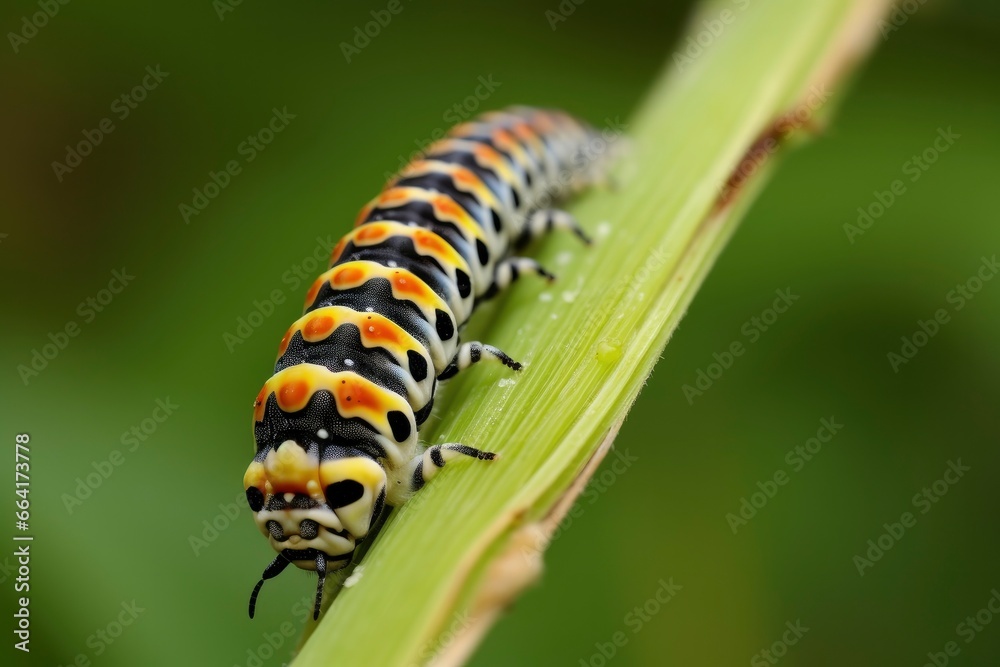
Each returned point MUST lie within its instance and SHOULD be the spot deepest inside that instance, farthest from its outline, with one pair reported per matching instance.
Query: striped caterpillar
(336, 425)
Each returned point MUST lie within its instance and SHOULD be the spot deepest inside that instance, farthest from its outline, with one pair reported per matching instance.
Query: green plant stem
(472, 540)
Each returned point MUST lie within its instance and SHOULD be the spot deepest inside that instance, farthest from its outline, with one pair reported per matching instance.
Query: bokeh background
(144, 536)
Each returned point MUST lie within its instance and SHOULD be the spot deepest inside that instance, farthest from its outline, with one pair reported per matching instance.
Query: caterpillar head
(313, 508)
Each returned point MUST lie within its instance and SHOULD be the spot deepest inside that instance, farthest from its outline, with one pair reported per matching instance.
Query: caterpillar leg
(427, 464)
(474, 352)
(509, 270)
(543, 221)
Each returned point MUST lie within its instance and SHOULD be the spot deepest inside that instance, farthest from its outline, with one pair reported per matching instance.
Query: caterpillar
(336, 425)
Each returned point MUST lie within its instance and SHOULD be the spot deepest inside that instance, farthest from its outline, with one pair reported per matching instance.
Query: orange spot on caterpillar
(544, 123)
(415, 167)
(381, 332)
(485, 154)
(430, 241)
(313, 291)
(409, 284)
(293, 395)
(371, 232)
(502, 137)
(391, 196)
(258, 404)
(464, 176)
(364, 213)
(318, 327)
(348, 275)
(523, 130)
(337, 250)
(283, 345)
(357, 394)
(447, 207)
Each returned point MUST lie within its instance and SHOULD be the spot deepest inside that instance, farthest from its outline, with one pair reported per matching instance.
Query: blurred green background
(145, 534)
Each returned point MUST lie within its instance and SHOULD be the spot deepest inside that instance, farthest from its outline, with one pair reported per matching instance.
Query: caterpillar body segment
(336, 425)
